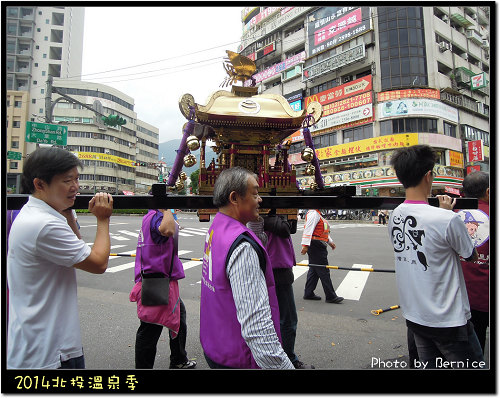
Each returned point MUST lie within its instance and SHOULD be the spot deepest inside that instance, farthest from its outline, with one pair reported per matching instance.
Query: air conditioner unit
(443, 46)
(346, 79)
(486, 44)
(445, 18)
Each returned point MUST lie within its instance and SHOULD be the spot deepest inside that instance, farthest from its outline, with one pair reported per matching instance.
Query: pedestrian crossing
(124, 235)
(350, 288)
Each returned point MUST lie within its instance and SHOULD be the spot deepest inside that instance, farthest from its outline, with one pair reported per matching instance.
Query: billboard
(338, 93)
(329, 27)
(417, 107)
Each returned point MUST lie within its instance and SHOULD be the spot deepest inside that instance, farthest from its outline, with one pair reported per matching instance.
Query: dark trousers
(73, 363)
(480, 320)
(318, 254)
(288, 319)
(430, 349)
(147, 338)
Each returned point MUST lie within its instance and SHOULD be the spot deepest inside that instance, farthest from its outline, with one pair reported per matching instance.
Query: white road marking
(299, 270)
(354, 282)
(190, 264)
(121, 267)
(134, 234)
(193, 231)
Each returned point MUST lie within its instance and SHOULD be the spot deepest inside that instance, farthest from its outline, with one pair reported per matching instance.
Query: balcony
(461, 20)
(474, 36)
(295, 40)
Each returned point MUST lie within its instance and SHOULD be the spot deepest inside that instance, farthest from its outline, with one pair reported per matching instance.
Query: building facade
(387, 77)
(17, 114)
(42, 41)
(120, 159)
(48, 41)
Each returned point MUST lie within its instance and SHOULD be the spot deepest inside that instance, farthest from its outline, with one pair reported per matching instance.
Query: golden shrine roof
(240, 108)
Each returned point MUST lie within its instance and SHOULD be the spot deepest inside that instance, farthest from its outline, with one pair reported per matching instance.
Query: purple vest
(220, 331)
(280, 251)
(156, 257)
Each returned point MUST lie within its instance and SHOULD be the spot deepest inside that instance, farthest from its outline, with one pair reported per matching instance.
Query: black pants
(318, 254)
(480, 321)
(147, 338)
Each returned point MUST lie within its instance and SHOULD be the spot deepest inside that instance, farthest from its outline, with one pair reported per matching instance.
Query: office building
(48, 41)
(116, 159)
(387, 77)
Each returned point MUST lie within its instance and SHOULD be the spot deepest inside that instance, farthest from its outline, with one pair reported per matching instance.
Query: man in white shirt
(427, 244)
(45, 247)
(315, 239)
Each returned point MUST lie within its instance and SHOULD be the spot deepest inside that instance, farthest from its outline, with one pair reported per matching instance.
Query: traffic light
(113, 120)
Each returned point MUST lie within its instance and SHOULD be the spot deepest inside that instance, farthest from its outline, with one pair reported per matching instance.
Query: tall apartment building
(386, 77)
(43, 41)
(116, 159)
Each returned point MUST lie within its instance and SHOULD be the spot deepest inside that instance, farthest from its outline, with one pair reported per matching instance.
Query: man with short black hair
(239, 315)
(45, 247)
(427, 243)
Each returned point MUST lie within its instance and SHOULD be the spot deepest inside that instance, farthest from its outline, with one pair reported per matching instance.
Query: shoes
(301, 365)
(313, 297)
(335, 300)
(186, 365)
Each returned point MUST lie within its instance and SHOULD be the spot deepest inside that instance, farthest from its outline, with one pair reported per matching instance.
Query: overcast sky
(150, 46)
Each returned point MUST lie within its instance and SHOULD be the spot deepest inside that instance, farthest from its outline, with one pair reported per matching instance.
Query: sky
(157, 54)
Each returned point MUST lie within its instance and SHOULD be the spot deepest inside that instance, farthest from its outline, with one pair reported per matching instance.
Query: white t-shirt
(44, 327)
(427, 243)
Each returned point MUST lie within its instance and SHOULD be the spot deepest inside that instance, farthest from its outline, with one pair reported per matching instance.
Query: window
(14, 165)
(14, 144)
(408, 125)
(450, 129)
(16, 124)
(401, 38)
(358, 133)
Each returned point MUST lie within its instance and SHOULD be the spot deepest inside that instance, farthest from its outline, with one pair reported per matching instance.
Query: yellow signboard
(105, 158)
(456, 159)
(368, 145)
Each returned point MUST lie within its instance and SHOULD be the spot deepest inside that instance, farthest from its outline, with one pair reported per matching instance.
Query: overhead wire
(250, 36)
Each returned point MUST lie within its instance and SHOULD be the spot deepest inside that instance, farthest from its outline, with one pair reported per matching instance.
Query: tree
(194, 181)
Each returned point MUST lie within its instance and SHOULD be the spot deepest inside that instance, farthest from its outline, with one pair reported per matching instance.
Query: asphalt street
(329, 336)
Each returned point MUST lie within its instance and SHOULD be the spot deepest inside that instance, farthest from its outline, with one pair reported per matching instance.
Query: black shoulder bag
(155, 287)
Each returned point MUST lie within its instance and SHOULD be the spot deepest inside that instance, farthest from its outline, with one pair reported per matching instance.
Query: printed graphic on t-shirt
(406, 237)
(478, 225)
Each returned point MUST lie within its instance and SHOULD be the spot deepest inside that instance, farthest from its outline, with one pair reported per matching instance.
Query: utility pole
(48, 100)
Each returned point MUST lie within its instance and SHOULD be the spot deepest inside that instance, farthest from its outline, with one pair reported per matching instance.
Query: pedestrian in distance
(45, 247)
(382, 216)
(275, 234)
(239, 314)
(477, 273)
(427, 244)
(157, 256)
(315, 240)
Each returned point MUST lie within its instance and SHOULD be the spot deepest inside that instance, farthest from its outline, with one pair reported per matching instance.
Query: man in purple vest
(239, 315)
(275, 234)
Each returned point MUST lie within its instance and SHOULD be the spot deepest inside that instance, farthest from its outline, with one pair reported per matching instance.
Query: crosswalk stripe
(118, 237)
(298, 271)
(121, 267)
(134, 234)
(353, 284)
(190, 264)
(193, 231)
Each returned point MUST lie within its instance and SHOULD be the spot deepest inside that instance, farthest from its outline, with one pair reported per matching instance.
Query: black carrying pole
(337, 198)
